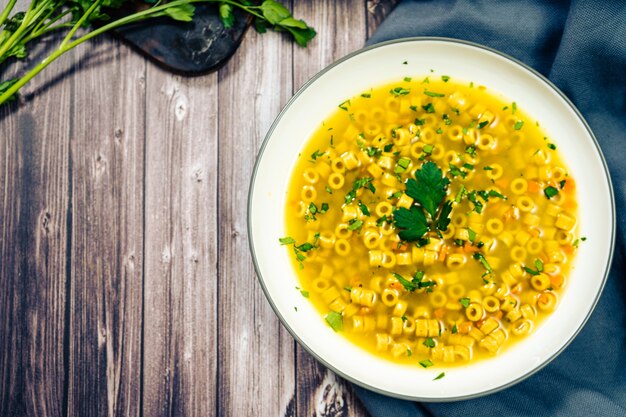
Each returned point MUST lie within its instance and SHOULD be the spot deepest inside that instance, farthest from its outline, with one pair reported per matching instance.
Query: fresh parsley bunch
(42, 17)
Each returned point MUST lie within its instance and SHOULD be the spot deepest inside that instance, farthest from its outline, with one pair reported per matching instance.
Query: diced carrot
(533, 187)
(557, 281)
(465, 327)
(569, 249)
(569, 186)
(498, 314)
(502, 183)
(403, 247)
(517, 288)
(469, 248)
(395, 286)
(443, 252)
(440, 313)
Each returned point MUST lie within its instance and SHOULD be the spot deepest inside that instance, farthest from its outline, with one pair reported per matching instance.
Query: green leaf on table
(226, 15)
(181, 13)
(5, 85)
(274, 11)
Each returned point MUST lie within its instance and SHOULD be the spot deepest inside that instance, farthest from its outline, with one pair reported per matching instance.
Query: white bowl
(376, 66)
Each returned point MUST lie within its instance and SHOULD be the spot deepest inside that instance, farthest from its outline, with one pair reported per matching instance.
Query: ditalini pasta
(430, 222)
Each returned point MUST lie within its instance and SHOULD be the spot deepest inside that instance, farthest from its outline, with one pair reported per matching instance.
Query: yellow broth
(457, 293)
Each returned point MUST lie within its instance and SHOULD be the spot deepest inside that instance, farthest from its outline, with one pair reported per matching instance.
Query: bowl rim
(534, 72)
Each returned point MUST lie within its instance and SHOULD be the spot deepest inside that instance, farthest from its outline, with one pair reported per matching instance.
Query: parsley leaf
(441, 375)
(429, 342)
(428, 188)
(465, 302)
(411, 222)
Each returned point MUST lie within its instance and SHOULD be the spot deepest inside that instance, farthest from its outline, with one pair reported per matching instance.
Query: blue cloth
(581, 47)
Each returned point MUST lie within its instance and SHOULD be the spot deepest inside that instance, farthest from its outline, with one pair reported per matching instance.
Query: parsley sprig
(19, 30)
(429, 210)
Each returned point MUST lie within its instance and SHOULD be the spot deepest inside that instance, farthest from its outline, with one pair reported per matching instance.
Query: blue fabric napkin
(581, 47)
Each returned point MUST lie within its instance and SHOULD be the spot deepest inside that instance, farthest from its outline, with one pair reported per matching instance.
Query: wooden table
(126, 283)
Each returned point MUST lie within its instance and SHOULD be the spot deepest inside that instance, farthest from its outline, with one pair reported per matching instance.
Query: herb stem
(7, 11)
(80, 22)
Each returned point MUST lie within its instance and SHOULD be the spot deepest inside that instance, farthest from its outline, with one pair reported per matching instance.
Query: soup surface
(430, 222)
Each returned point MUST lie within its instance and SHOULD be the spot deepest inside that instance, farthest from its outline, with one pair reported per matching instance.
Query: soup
(430, 222)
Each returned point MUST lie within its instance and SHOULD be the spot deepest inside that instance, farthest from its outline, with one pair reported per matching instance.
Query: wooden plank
(34, 236)
(377, 11)
(107, 140)
(180, 330)
(256, 366)
(341, 29)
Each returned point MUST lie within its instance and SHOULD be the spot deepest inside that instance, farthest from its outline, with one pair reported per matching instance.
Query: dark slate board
(193, 48)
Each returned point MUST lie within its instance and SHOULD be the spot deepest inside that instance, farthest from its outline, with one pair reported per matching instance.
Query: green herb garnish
(550, 192)
(335, 320)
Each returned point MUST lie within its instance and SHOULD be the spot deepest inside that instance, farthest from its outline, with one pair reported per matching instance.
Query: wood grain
(126, 283)
(256, 367)
(34, 239)
(107, 155)
(341, 31)
(180, 281)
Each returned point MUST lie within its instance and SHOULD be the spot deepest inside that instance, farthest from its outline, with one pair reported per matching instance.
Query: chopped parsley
(441, 375)
(366, 95)
(334, 320)
(420, 122)
(317, 154)
(471, 234)
(550, 192)
(483, 124)
(481, 258)
(429, 108)
(344, 105)
(399, 91)
(373, 152)
(426, 363)
(552, 146)
(357, 184)
(465, 302)
(429, 342)
(355, 224)
(518, 125)
(287, 240)
(513, 107)
(433, 94)
(402, 164)
(471, 151)
(538, 266)
(363, 208)
(445, 78)
(407, 79)
(454, 329)
(328, 190)
(416, 282)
